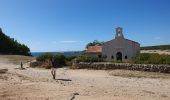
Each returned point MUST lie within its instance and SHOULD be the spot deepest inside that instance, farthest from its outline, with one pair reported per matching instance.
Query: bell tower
(119, 32)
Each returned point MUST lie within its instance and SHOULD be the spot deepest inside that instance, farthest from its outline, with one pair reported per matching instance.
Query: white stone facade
(120, 48)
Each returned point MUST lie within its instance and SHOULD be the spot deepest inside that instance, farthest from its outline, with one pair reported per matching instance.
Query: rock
(76, 93)
(107, 66)
(3, 71)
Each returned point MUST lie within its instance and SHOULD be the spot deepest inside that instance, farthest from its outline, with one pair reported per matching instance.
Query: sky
(68, 25)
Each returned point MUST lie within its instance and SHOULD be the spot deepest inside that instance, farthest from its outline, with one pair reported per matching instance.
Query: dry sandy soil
(37, 84)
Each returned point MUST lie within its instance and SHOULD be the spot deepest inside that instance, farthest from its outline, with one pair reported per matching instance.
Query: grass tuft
(138, 74)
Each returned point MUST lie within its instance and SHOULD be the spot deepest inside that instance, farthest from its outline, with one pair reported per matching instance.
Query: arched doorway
(119, 56)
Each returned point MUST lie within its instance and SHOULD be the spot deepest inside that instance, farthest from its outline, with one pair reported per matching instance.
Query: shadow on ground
(63, 79)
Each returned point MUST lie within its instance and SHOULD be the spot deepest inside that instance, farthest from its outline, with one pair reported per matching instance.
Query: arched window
(125, 57)
(112, 57)
(104, 56)
(119, 56)
(99, 56)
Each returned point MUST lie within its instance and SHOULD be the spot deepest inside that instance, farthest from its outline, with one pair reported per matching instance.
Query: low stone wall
(107, 66)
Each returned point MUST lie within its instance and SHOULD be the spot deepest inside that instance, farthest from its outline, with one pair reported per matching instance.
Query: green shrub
(156, 59)
(151, 58)
(166, 59)
(95, 42)
(89, 59)
(70, 58)
(158, 47)
(141, 58)
(68, 63)
(83, 58)
(59, 60)
(96, 59)
(44, 57)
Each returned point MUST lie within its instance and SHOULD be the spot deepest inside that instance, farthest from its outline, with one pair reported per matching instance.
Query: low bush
(70, 58)
(89, 59)
(151, 58)
(44, 57)
(158, 47)
(68, 63)
(59, 60)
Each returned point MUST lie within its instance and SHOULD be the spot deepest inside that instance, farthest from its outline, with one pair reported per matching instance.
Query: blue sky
(68, 25)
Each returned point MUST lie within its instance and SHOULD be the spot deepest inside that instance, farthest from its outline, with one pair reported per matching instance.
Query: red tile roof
(94, 49)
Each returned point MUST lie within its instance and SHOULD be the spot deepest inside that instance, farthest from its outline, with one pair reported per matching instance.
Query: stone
(108, 66)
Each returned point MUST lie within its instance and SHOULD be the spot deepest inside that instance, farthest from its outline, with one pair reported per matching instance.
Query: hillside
(158, 47)
(11, 46)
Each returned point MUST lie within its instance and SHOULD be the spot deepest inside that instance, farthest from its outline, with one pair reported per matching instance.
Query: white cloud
(157, 38)
(54, 42)
(68, 41)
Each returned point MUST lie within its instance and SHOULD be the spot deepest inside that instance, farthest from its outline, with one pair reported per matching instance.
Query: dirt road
(37, 84)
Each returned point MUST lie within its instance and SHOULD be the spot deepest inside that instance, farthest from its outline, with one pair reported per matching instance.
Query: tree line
(95, 42)
(11, 46)
(158, 47)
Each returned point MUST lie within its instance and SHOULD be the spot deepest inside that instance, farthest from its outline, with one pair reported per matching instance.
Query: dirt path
(37, 84)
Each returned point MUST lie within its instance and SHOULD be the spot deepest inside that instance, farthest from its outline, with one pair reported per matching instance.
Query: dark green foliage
(83, 58)
(89, 59)
(10, 46)
(159, 47)
(95, 42)
(141, 58)
(151, 58)
(44, 57)
(59, 60)
(70, 58)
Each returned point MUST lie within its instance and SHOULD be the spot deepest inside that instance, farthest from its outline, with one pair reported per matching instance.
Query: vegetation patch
(95, 42)
(44, 57)
(11, 46)
(138, 74)
(158, 47)
(151, 58)
(46, 60)
(59, 60)
(89, 59)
